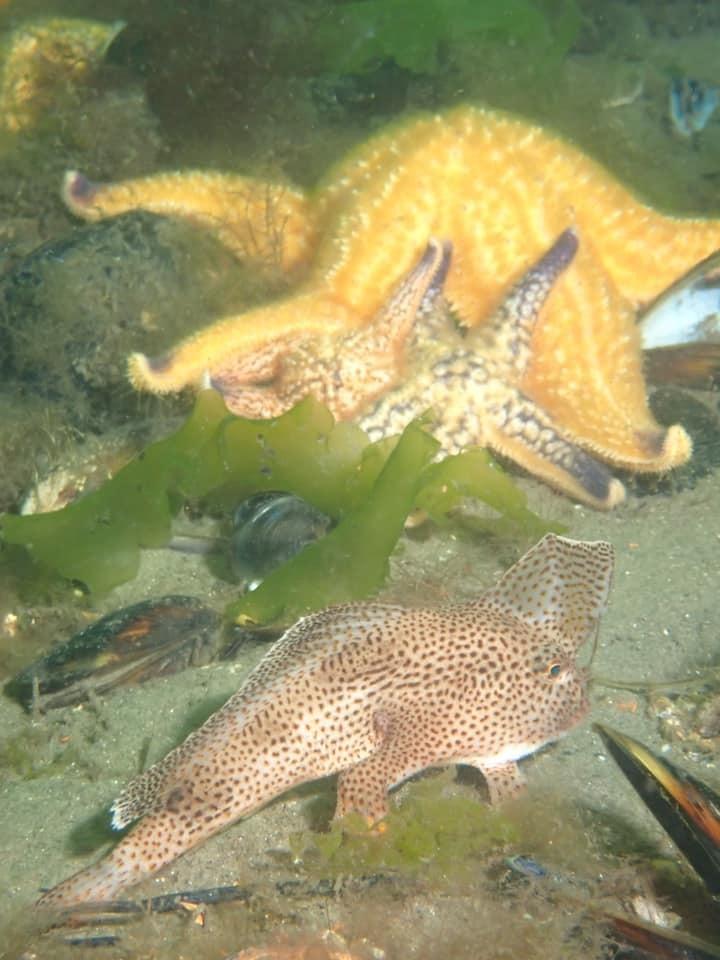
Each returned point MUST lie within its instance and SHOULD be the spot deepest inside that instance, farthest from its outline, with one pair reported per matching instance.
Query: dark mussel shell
(149, 639)
(268, 529)
(635, 940)
(687, 808)
(691, 365)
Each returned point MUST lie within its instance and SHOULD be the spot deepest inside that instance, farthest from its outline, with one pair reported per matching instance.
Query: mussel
(680, 330)
(149, 639)
(268, 529)
(687, 808)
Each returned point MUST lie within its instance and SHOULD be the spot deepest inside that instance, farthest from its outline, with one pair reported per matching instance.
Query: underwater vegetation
(219, 459)
(43, 61)
(353, 37)
(30, 754)
(438, 828)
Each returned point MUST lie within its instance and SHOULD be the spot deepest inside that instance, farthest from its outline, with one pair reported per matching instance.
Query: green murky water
(282, 91)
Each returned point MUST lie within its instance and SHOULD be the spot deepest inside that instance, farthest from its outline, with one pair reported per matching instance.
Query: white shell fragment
(688, 311)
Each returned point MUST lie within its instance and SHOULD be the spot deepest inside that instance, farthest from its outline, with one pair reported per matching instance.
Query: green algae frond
(417, 34)
(351, 561)
(220, 459)
(474, 473)
(437, 829)
(97, 540)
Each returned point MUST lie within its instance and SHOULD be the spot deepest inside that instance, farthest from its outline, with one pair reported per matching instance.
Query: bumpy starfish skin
(500, 190)
(375, 693)
(472, 388)
(365, 362)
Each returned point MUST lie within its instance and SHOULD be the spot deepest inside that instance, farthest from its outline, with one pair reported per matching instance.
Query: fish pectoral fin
(363, 789)
(504, 780)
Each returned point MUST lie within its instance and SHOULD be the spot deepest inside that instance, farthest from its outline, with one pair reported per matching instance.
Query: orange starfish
(501, 191)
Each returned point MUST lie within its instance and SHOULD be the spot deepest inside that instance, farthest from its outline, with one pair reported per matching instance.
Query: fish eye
(554, 669)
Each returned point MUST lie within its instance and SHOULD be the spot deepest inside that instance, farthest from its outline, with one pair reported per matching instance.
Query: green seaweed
(438, 828)
(474, 473)
(352, 37)
(97, 540)
(351, 561)
(220, 459)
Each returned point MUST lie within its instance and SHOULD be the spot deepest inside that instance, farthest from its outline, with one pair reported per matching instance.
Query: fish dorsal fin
(560, 586)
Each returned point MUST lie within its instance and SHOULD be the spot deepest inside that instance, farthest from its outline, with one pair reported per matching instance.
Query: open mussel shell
(149, 639)
(635, 940)
(680, 330)
(268, 529)
(685, 807)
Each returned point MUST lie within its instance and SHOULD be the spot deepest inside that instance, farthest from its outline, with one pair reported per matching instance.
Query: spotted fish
(375, 693)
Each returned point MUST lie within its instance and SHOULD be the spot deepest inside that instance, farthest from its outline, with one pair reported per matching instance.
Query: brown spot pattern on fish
(376, 693)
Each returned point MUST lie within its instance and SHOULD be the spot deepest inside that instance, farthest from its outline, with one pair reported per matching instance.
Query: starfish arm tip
(659, 450)
(615, 494)
(78, 194)
(565, 247)
(150, 374)
(677, 447)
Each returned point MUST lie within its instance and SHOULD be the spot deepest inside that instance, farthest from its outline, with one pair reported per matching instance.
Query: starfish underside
(362, 331)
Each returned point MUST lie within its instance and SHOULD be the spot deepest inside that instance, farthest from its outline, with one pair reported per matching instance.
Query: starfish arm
(519, 429)
(370, 361)
(515, 319)
(345, 372)
(256, 332)
(503, 191)
(631, 439)
(585, 371)
(244, 382)
(413, 299)
(469, 409)
(252, 402)
(266, 223)
(642, 249)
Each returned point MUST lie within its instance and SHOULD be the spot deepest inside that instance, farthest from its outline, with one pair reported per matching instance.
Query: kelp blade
(473, 473)
(351, 561)
(97, 540)
(221, 459)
